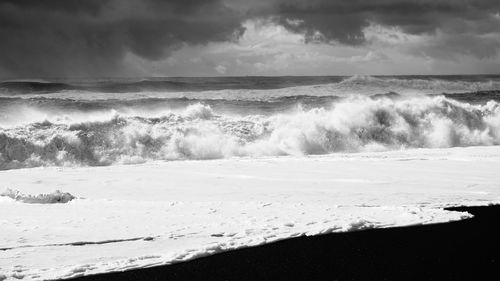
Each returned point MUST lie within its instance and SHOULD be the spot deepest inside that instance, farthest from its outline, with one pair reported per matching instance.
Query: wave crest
(350, 125)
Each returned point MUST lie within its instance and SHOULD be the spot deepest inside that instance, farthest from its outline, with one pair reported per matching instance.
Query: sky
(144, 38)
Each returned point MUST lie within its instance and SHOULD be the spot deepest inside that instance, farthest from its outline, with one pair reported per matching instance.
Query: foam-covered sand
(133, 216)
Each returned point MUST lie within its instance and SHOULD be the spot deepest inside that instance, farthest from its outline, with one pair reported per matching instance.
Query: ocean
(112, 175)
(103, 122)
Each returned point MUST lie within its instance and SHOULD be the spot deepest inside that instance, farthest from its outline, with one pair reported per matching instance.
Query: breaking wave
(200, 132)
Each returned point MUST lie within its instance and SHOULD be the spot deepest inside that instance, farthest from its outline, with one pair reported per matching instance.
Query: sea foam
(198, 132)
(50, 198)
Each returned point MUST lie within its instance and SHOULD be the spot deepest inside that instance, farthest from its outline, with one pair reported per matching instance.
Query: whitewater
(40, 127)
(111, 175)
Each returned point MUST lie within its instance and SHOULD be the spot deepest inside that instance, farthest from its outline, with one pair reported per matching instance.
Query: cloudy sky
(137, 38)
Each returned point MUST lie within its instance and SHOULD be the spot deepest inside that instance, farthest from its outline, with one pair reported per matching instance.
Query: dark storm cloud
(91, 37)
(343, 21)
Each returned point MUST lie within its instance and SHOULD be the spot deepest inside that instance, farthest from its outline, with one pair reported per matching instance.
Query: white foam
(138, 216)
(50, 198)
(198, 132)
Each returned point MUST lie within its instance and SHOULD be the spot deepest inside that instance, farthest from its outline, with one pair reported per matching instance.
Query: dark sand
(464, 250)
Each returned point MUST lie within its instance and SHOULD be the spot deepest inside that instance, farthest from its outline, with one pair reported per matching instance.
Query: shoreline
(199, 208)
(461, 250)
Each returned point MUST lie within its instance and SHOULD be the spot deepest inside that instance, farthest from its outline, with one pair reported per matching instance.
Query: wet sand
(463, 250)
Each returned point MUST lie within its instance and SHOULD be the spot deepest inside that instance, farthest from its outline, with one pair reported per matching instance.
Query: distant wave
(416, 84)
(166, 84)
(199, 132)
(229, 88)
(20, 87)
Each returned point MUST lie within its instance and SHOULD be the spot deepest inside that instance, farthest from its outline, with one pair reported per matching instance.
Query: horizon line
(27, 79)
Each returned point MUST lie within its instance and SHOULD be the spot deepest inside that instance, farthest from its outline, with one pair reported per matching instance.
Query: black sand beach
(464, 250)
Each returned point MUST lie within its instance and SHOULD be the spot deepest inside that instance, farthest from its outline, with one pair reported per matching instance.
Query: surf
(198, 132)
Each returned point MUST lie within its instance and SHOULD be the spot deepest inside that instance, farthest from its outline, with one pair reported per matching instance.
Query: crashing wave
(51, 198)
(349, 125)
